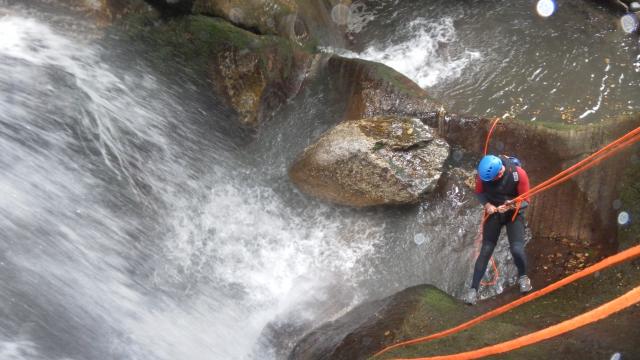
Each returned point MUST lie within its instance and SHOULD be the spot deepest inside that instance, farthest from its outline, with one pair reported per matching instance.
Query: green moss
(439, 311)
(194, 40)
(437, 300)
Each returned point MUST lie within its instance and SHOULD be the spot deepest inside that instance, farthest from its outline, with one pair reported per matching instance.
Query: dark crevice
(251, 29)
(184, 7)
(169, 10)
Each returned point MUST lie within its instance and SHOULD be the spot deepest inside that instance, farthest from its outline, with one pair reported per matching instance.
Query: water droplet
(457, 155)
(623, 218)
(545, 8)
(340, 14)
(629, 23)
(617, 204)
(419, 238)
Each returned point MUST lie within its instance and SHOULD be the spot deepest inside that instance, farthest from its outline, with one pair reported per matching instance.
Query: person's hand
(504, 208)
(490, 209)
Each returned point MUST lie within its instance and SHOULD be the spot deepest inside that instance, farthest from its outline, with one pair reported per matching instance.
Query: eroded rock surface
(374, 161)
(374, 89)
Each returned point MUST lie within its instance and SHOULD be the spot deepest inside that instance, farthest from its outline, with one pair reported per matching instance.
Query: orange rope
(603, 264)
(592, 160)
(599, 313)
(586, 163)
(478, 240)
(486, 143)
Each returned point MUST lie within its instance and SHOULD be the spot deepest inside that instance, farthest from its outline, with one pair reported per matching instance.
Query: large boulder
(374, 89)
(374, 161)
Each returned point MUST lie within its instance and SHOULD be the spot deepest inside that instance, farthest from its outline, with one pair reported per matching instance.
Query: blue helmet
(489, 167)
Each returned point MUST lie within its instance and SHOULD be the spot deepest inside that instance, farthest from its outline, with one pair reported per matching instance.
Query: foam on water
(424, 57)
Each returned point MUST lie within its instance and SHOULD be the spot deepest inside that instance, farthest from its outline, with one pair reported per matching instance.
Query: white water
(125, 230)
(424, 57)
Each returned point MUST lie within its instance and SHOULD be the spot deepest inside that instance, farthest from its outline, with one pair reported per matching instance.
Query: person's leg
(515, 232)
(490, 234)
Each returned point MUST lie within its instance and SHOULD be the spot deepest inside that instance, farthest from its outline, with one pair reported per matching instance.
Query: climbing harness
(618, 304)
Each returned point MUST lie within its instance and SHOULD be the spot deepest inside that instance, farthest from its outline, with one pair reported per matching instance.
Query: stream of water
(495, 58)
(138, 222)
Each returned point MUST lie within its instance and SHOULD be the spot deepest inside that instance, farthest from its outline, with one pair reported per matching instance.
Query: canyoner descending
(499, 181)
(487, 170)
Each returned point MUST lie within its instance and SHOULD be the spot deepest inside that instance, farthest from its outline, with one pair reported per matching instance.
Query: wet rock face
(371, 326)
(584, 203)
(376, 89)
(263, 17)
(374, 161)
(255, 74)
(257, 83)
(294, 19)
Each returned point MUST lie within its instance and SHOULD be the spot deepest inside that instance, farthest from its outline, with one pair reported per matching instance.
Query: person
(500, 179)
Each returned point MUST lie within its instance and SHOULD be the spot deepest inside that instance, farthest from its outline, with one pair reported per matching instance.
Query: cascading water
(130, 229)
(136, 222)
(423, 57)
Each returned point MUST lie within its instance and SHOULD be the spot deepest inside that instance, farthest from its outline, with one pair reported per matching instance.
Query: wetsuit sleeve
(480, 195)
(523, 185)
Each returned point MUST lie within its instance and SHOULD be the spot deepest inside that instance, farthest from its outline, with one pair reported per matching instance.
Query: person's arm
(523, 185)
(480, 195)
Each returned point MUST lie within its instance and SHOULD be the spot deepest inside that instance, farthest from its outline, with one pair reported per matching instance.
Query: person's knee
(486, 251)
(517, 251)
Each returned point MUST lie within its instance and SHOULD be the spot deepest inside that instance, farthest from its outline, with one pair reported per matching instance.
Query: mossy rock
(423, 310)
(303, 21)
(596, 341)
(256, 74)
(262, 16)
